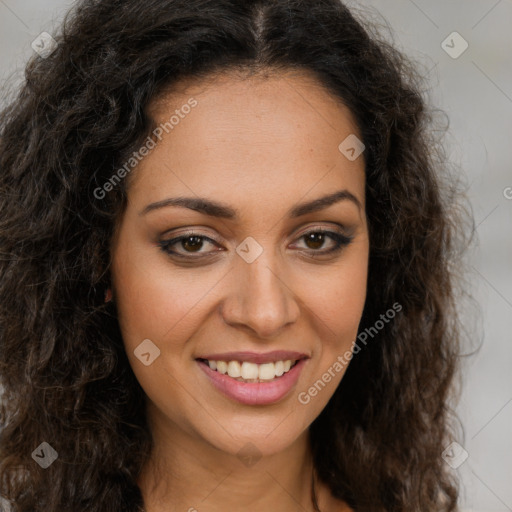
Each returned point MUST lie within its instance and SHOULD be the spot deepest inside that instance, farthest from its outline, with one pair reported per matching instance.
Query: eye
(190, 243)
(316, 239)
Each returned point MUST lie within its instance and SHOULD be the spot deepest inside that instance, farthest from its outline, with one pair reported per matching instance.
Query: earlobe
(108, 295)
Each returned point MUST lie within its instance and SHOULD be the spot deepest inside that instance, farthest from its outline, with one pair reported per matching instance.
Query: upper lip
(255, 357)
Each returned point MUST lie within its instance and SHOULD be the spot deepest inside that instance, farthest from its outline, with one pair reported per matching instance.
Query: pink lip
(254, 393)
(254, 357)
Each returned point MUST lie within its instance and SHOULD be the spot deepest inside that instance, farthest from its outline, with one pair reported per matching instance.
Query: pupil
(316, 238)
(194, 241)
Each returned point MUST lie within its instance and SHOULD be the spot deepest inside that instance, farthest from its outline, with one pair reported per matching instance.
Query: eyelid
(338, 228)
(343, 230)
(339, 238)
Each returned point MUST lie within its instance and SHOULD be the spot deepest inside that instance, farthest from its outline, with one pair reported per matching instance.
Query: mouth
(245, 371)
(254, 383)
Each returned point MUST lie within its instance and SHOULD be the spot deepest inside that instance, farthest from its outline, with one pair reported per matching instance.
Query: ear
(108, 295)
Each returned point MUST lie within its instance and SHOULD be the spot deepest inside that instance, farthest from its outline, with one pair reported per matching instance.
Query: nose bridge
(260, 299)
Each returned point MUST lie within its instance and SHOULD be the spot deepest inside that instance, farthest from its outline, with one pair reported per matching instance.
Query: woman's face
(254, 280)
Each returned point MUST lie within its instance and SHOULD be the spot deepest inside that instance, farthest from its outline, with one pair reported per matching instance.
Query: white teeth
(222, 366)
(249, 370)
(267, 371)
(252, 372)
(234, 369)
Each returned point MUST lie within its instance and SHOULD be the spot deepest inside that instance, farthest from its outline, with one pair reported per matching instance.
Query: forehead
(291, 103)
(272, 136)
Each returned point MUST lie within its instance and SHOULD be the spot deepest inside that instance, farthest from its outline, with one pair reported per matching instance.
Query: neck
(186, 473)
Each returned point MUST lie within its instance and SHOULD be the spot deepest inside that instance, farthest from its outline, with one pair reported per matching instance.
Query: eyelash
(340, 240)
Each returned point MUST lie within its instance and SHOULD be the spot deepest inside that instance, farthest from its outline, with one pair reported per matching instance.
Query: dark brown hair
(65, 375)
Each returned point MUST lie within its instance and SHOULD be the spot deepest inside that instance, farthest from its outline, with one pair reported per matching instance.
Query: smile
(244, 371)
(253, 383)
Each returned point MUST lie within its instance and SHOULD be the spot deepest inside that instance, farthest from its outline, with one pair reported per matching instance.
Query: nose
(259, 299)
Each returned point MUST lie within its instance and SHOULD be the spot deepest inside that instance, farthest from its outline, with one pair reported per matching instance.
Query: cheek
(335, 312)
(154, 302)
(337, 300)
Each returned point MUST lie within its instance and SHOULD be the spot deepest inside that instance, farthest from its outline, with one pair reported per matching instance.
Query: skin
(261, 146)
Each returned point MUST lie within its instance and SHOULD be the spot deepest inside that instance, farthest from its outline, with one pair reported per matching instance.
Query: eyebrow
(223, 211)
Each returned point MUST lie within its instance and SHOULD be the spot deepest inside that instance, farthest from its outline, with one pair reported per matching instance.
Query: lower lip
(254, 393)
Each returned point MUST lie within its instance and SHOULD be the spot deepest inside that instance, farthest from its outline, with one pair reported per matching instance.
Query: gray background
(475, 90)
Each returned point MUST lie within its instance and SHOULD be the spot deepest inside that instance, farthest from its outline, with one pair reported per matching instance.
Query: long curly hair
(80, 113)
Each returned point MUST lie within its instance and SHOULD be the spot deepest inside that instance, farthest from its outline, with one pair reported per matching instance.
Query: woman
(227, 273)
